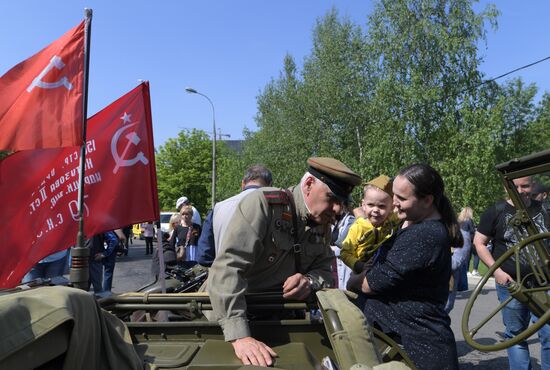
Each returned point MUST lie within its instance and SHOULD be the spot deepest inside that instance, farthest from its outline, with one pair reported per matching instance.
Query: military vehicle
(178, 279)
(64, 328)
(531, 287)
(59, 327)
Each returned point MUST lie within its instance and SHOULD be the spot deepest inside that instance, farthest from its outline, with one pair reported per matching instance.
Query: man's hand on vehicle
(297, 286)
(253, 352)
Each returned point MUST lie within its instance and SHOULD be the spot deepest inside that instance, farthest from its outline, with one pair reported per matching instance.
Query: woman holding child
(374, 224)
(408, 283)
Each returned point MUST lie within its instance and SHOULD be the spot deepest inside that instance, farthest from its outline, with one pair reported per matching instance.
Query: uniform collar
(251, 187)
(301, 209)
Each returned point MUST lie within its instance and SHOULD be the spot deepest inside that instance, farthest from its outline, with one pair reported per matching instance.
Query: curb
(474, 280)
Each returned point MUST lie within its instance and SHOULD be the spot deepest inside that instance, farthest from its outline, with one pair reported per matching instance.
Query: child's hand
(359, 212)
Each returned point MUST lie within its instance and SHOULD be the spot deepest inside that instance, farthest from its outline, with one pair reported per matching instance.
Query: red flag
(38, 188)
(41, 97)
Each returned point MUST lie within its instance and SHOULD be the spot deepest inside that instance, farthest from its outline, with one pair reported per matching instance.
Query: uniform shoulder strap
(297, 247)
(285, 197)
(276, 197)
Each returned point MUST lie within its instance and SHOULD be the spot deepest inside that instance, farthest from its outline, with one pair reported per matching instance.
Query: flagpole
(160, 248)
(79, 273)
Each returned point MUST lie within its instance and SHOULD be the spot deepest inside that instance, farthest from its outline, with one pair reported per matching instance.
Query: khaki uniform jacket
(256, 255)
(96, 338)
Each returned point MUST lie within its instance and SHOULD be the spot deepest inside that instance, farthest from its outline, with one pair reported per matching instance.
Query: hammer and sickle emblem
(54, 62)
(133, 138)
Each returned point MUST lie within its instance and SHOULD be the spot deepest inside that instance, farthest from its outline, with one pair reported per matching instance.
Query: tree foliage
(405, 87)
(184, 168)
(537, 134)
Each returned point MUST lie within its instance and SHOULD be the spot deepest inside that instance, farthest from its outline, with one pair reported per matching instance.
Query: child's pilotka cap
(383, 183)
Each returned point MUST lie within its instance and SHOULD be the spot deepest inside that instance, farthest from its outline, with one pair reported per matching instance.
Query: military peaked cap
(338, 177)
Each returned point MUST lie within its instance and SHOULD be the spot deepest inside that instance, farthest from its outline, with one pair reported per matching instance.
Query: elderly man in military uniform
(277, 240)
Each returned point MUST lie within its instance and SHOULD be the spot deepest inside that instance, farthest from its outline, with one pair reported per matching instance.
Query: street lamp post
(193, 91)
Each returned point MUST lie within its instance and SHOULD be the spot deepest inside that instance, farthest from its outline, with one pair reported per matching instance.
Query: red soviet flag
(38, 188)
(41, 97)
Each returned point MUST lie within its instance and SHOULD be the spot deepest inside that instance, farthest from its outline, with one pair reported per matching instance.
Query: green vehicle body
(170, 331)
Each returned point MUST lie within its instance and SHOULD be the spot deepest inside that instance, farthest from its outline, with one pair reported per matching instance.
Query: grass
(481, 268)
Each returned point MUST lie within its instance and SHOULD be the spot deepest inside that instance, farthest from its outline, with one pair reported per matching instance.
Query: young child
(376, 225)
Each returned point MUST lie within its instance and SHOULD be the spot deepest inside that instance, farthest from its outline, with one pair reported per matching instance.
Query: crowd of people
(103, 250)
(404, 252)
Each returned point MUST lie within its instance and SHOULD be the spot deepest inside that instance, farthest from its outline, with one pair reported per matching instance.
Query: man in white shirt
(255, 177)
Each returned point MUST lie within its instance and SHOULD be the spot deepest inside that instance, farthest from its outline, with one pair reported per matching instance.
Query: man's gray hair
(258, 172)
(306, 175)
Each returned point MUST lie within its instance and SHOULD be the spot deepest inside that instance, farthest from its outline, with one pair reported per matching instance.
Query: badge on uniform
(283, 225)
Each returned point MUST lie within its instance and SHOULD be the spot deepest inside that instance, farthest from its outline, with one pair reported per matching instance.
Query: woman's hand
(355, 282)
(365, 288)
(180, 253)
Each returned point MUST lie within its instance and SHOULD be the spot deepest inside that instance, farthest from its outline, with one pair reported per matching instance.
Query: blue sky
(228, 50)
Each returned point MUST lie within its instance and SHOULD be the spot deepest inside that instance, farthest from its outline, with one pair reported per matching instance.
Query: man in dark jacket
(102, 260)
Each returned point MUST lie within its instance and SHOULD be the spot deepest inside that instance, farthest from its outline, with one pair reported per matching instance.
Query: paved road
(134, 271)
(470, 358)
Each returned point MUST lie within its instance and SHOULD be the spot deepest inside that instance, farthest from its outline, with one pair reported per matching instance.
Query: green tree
(230, 169)
(184, 167)
(428, 68)
(517, 100)
(382, 99)
(538, 132)
(407, 89)
(282, 136)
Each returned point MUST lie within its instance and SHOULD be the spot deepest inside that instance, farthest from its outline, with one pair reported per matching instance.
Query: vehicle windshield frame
(530, 165)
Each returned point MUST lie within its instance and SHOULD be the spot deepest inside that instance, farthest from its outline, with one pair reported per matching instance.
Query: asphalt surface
(134, 271)
(485, 303)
